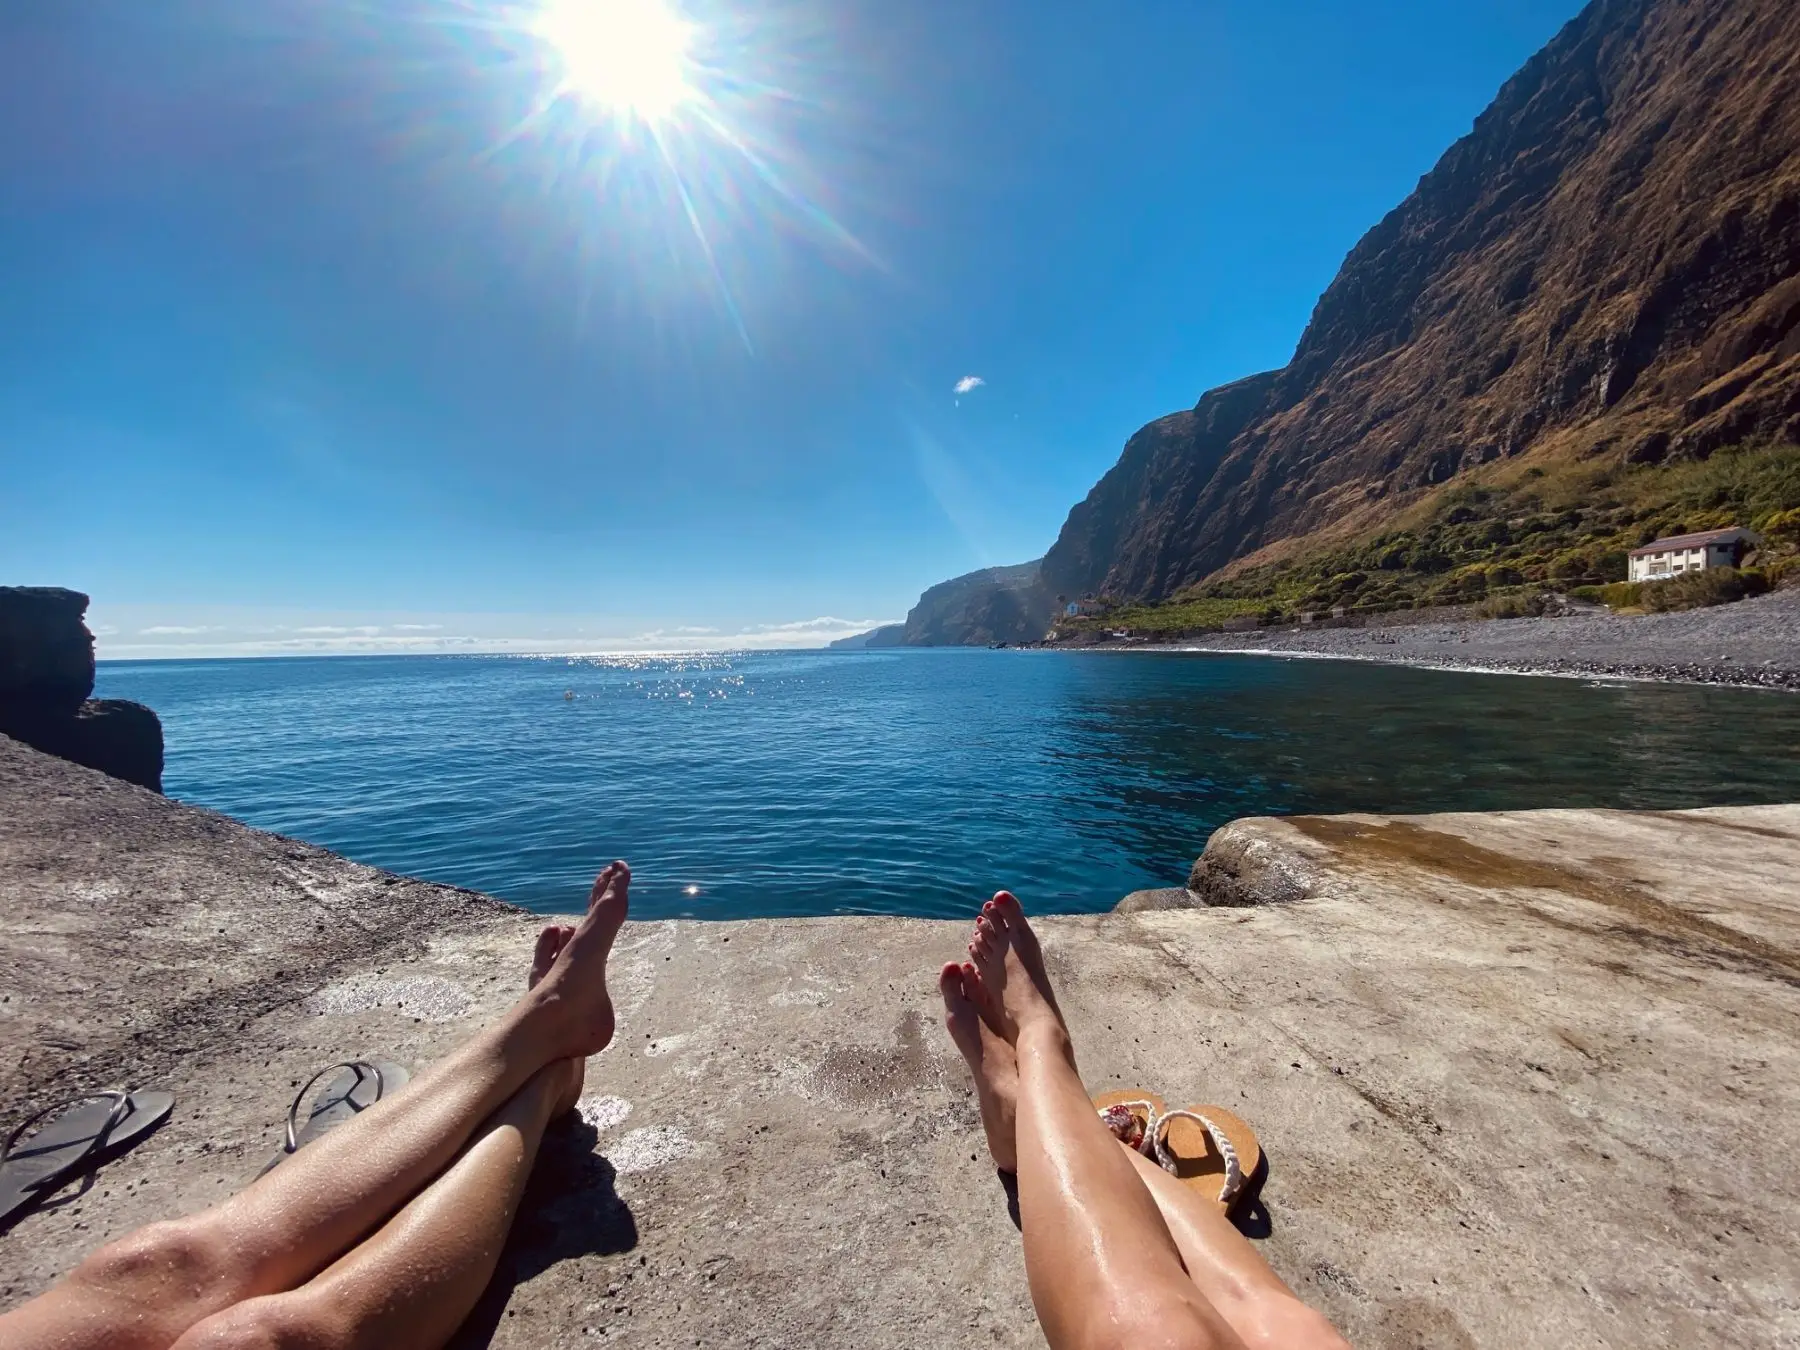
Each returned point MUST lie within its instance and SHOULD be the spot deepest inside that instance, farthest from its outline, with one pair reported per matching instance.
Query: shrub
(1783, 527)
(1571, 566)
(1622, 594)
(1510, 606)
(1697, 590)
(1592, 594)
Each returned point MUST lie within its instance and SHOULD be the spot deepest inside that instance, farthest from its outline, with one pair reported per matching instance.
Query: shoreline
(1722, 677)
(1753, 644)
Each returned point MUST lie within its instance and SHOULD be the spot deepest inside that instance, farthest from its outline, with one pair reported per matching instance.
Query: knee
(276, 1322)
(165, 1263)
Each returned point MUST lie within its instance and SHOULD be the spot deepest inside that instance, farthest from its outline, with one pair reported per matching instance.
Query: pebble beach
(1754, 643)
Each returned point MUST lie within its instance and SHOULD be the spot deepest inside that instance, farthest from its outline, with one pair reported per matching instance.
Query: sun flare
(630, 56)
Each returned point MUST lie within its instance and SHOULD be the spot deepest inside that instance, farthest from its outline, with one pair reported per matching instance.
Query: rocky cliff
(46, 676)
(1607, 268)
(998, 604)
(888, 635)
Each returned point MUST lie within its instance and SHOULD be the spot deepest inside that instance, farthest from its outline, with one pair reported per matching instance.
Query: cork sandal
(1211, 1150)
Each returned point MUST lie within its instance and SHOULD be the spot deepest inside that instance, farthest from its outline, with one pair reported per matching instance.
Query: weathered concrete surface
(1497, 1114)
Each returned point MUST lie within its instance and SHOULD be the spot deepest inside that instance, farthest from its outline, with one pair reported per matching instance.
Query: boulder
(46, 677)
(46, 651)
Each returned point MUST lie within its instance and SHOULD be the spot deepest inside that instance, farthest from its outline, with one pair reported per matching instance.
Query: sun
(630, 56)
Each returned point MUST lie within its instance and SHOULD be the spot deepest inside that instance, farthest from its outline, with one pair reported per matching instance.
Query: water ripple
(902, 782)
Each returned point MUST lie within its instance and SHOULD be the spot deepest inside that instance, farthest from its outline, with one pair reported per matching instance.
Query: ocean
(902, 782)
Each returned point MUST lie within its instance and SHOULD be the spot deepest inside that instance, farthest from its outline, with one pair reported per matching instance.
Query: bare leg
(1221, 1262)
(144, 1291)
(410, 1286)
(1230, 1272)
(1103, 1268)
(991, 1062)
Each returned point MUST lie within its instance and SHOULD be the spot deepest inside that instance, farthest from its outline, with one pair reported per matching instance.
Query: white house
(1689, 553)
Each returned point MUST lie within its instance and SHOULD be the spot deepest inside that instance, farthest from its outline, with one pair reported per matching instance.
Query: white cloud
(538, 635)
(968, 384)
(823, 624)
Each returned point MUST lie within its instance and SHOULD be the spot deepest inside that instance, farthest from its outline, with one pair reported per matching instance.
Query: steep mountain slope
(888, 635)
(1607, 268)
(998, 604)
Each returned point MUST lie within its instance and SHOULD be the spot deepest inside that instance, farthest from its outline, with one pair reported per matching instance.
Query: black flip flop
(77, 1137)
(359, 1084)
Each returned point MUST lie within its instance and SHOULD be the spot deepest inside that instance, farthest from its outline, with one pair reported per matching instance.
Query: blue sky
(337, 325)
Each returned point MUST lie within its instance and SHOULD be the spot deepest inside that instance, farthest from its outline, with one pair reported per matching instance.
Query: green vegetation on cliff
(1498, 535)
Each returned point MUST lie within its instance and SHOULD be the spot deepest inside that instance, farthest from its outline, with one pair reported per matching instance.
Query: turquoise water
(911, 782)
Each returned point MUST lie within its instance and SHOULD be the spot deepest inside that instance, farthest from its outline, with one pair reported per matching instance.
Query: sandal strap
(1234, 1170)
(1150, 1122)
(356, 1066)
(121, 1105)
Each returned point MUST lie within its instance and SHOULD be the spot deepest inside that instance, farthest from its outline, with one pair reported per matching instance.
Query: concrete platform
(1527, 1079)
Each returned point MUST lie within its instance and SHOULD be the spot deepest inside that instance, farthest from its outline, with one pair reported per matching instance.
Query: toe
(1007, 909)
(602, 883)
(611, 896)
(956, 998)
(549, 945)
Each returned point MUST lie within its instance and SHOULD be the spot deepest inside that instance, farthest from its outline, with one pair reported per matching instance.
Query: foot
(1009, 965)
(991, 1061)
(571, 992)
(564, 1077)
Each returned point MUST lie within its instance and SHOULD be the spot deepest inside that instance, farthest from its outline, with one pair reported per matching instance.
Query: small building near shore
(1684, 553)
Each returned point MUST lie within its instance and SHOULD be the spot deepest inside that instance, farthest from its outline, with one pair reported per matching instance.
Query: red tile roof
(1676, 543)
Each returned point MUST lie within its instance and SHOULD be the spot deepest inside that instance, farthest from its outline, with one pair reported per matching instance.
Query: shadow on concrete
(1253, 1221)
(571, 1209)
(1250, 1216)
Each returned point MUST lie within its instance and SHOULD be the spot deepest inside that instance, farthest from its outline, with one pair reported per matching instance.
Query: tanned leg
(1223, 1265)
(991, 1062)
(144, 1291)
(410, 1286)
(1104, 1271)
(1232, 1273)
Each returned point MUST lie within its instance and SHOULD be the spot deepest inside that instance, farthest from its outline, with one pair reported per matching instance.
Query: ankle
(542, 1028)
(1045, 1035)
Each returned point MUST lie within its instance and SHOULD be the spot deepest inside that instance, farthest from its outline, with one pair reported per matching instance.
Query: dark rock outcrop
(998, 604)
(46, 677)
(46, 651)
(1608, 265)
